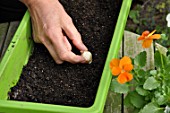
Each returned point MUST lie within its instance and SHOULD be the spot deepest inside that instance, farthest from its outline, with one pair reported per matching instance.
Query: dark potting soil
(43, 81)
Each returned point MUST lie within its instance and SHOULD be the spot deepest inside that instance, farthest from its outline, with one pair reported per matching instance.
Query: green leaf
(134, 14)
(141, 73)
(119, 88)
(164, 37)
(141, 91)
(151, 108)
(167, 69)
(136, 111)
(161, 100)
(153, 72)
(168, 57)
(159, 60)
(127, 101)
(151, 83)
(157, 94)
(140, 59)
(129, 105)
(136, 99)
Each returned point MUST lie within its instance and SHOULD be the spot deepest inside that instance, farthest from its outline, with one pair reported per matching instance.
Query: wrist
(29, 3)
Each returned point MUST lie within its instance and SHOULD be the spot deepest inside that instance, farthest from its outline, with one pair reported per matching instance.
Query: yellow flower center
(122, 71)
(150, 34)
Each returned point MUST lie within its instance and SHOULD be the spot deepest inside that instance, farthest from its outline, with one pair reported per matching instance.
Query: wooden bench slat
(3, 32)
(11, 31)
(132, 47)
(113, 103)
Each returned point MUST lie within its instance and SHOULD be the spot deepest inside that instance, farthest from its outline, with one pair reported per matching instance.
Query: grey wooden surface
(7, 31)
(3, 32)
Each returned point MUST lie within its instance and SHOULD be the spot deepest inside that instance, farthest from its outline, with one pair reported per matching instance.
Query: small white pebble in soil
(87, 56)
(15, 94)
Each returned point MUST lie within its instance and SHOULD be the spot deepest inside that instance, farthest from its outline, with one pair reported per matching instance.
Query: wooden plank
(132, 47)
(3, 32)
(11, 31)
(113, 103)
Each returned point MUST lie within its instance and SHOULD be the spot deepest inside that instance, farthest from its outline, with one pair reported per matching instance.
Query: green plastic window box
(17, 56)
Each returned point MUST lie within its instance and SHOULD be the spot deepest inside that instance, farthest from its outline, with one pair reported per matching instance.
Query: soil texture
(43, 81)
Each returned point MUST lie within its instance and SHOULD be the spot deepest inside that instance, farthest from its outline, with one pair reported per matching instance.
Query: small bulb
(87, 56)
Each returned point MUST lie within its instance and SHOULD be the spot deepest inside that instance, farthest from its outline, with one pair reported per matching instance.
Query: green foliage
(160, 60)
(167, 69)
(151, 108)
(164, 37)
(150, 15)
(153, 72)
(161, 100)
(119, 88)
(134, 14)
(150, 89)
(154, 85)
(151, 83)
(136, 100)
(141, 91)
(140, 59)
(160, 7)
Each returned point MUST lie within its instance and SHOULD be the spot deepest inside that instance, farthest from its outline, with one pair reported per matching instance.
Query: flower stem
(162, 62)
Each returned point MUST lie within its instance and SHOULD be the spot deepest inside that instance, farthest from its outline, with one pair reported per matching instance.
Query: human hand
(50, 22)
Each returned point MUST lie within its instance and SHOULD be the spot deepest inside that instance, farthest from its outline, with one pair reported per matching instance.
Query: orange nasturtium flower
(148, 37)
(121, 68)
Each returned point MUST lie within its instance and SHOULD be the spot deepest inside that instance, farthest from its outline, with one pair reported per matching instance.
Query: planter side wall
(15, 57)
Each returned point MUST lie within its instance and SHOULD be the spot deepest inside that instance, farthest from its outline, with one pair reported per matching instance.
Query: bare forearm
(28, 3)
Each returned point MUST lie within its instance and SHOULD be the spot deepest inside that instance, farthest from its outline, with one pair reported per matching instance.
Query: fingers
(34, 29)
(60, 48)
(52, 51)
(73, 58)
(68, 45)
(73, 34)
(63, 48)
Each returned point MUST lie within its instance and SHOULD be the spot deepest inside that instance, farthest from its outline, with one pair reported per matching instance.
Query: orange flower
(148, 37)
(121, 68)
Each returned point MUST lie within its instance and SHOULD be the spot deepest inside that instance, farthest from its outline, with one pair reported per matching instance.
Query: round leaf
(140, 59)
(151, 83)
(119, 88)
